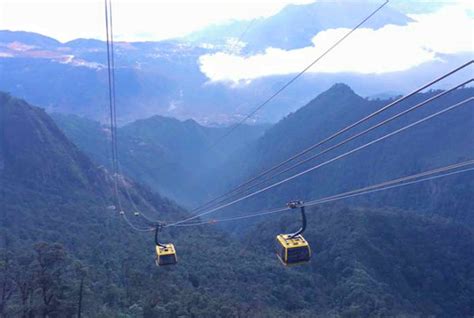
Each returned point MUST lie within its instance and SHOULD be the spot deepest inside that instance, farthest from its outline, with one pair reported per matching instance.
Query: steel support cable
(345, 141)
(111, 106)
(273, 211)
(135, 227)
(421, 104)
(239, 39)
(111, 84)
(113, 114)
(389, 187)
(424, 119)
(241, 36)
(331, 137)
(293, 79)
(146, 218)
(114, 108)
(402, 179)
(374, 188)
(400, 182)
(117, 167)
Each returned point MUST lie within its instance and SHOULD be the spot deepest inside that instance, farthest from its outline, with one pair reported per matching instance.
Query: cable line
(331, 160)
(386, 185)
(241, 36)
(392, 182)
(117, 171)
(333, 136)
(133, 226)
(284, 86)
(111, 104)
(253, 112)
(345, 141)
(389, 187)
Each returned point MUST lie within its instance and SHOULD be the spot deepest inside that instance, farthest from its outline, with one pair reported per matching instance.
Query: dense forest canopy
(261, 159)
(63, 251)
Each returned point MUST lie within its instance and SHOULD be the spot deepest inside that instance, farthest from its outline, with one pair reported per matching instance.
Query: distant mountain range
(165, 78)
(295, 25)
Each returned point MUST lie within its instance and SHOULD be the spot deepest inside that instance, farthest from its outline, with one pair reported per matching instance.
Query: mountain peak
(339, 93)
(340, 88)
(29, 38)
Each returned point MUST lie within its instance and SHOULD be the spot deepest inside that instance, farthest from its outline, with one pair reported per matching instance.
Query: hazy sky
(447, 30)
(133, 20)
(152, 19)
(439, 27)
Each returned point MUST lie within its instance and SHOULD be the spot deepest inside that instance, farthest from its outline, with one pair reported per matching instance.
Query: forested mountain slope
(177, 158)
(295, 25)
(366, 262)
(441, 141)
(168, 155)
(57, 233)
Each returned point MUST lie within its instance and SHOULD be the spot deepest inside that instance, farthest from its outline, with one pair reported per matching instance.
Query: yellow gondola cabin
(293, 249)
(165, 253)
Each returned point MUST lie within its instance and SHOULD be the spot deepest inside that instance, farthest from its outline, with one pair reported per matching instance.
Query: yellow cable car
(293, 249)
(165, 253)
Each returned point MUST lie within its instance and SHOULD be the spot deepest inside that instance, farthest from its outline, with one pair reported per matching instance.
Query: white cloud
(133, 19)
(388, 49)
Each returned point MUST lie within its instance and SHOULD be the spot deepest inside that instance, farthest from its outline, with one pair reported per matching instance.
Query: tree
(23, 278)
(81, 273)
(50, 265)
(7, 285)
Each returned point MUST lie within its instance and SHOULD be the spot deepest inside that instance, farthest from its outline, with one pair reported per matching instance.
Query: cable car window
(167, 260)
(298, 254)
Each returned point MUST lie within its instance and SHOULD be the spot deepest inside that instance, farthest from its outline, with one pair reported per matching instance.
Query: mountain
(366, 262)
(170, 156)
(295, 25)
(176, 158)
(441, 141)
(58, 235)
(29, 38)
(60, 241)
(166, 77)
(39, 165)
(380, 263)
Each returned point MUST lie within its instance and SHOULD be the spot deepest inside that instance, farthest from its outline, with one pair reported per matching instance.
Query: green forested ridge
(439, 142)
(169, 155)
(56, 232)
